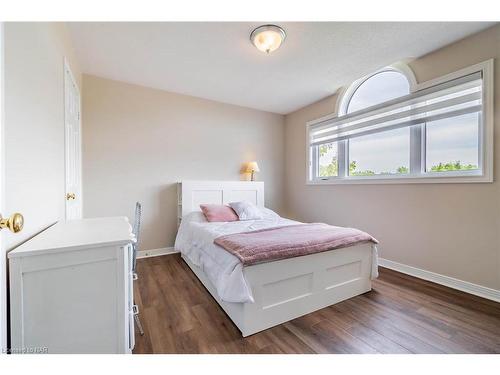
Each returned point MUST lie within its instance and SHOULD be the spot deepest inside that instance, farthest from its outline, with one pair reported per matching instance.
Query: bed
(263, 295)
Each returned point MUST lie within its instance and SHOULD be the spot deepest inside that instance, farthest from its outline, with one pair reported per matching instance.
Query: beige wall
(451, 229)
(138, 142)
(34, 123)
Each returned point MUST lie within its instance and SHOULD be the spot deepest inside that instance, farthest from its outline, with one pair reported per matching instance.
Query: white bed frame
(284, 289)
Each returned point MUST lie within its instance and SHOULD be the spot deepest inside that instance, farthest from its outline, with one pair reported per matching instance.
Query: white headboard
(193, 193)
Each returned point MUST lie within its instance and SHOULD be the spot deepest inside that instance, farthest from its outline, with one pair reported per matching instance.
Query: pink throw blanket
(277, 243)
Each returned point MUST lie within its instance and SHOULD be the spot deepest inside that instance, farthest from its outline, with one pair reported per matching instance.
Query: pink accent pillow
(218, 212)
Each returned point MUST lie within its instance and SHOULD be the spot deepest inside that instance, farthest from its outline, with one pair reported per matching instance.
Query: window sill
(434, 178)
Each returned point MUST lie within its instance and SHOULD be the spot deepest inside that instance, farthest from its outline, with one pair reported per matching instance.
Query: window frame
(417, 136)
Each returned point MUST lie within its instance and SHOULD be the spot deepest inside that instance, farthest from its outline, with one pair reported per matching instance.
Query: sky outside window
(386, 152)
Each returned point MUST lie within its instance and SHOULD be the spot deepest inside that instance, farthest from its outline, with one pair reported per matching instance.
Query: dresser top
(77, 234)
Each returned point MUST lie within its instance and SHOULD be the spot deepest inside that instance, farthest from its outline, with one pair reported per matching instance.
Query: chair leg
(139, 325)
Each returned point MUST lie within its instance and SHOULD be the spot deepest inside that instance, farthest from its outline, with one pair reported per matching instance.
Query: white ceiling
(215, 60)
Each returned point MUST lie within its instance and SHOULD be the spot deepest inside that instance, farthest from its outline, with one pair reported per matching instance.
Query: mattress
(195, 240)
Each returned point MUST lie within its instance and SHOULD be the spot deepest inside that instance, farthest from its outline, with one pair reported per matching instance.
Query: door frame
(3, 254)
(67, 68)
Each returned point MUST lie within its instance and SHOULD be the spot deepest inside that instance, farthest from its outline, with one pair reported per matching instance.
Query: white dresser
(71, 289)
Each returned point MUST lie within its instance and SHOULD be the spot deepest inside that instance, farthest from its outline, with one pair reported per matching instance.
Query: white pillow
(247, 211)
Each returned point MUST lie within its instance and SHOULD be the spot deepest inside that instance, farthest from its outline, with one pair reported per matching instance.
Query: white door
(14, 222)
(73, 146)
(3, 255)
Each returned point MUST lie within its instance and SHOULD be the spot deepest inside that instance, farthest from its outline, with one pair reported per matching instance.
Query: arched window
(381, 153)
(389, 127)
(378, 88)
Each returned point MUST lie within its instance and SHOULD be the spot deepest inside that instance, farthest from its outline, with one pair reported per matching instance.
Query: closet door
(73, 146)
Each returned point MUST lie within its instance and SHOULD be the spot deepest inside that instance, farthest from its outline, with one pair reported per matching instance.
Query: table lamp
(252, 167)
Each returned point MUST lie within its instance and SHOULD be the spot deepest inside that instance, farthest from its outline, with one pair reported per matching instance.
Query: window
(328, 160)
(388, 130)
(380, 154)
(386, 152)
(453, 144)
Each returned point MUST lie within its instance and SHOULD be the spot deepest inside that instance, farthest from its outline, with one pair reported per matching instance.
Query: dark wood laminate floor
(402, 314)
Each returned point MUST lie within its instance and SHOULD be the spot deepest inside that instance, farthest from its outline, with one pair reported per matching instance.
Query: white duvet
(195, 240)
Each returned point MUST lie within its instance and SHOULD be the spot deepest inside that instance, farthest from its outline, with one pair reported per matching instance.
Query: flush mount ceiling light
(268, 38)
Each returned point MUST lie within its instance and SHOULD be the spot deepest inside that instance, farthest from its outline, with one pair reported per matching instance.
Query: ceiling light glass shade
(268, 38)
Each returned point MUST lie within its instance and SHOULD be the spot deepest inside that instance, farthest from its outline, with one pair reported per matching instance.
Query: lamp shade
(252, 167)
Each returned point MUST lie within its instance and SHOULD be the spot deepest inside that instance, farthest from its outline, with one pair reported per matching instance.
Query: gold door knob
(70, 196)
(14, 223)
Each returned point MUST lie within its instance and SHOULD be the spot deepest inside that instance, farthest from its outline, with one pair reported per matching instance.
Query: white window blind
(450, 99)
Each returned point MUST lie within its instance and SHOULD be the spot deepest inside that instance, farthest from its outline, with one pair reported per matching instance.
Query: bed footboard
(289, 288)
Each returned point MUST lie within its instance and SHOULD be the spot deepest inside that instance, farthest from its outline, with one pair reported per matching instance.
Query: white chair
(136, 231)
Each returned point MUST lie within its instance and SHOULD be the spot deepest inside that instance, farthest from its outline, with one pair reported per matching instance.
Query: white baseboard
(156, 252)
(464, 286)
